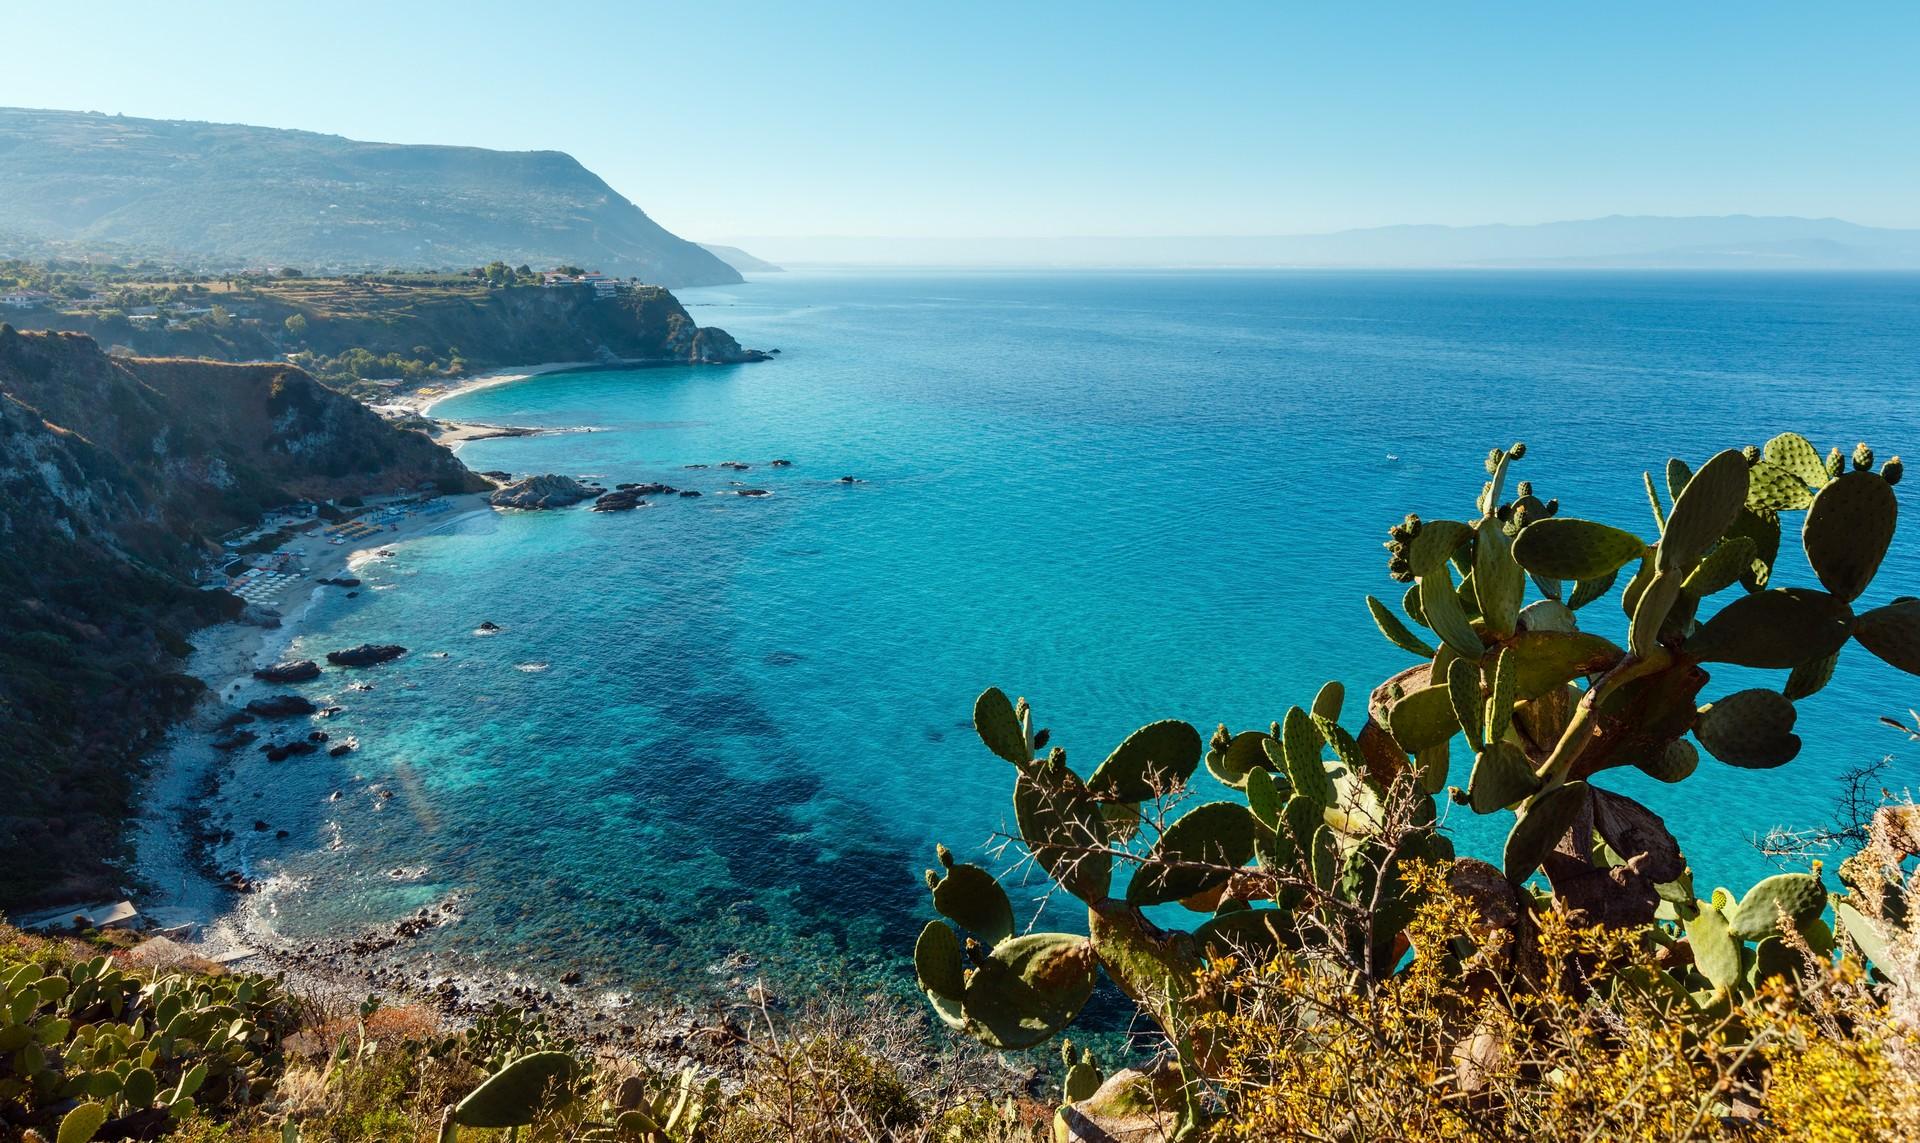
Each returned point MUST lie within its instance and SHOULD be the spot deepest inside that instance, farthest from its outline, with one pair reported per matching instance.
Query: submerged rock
(366, 654)
(546, 491)
(782, 463)
(291, 671)
(280, 706)
(689, 492)
(620, 500)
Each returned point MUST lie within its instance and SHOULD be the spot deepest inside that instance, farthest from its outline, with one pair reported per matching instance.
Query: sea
(725, 733)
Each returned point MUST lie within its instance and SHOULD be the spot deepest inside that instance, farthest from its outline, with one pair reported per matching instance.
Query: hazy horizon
(733, 120)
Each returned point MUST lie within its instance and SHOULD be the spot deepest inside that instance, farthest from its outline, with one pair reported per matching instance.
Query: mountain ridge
(232, 195)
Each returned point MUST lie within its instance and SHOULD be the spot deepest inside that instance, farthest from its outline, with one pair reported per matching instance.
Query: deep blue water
(723, 724)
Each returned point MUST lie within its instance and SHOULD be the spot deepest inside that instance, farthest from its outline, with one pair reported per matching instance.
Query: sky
(727, 121)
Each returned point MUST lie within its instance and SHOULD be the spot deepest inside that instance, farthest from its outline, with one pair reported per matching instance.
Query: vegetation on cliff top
(353, 331)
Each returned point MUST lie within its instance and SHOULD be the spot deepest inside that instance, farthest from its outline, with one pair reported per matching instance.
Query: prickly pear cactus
(1307, 853)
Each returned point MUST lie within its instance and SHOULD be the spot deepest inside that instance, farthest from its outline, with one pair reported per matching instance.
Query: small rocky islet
(554, 490)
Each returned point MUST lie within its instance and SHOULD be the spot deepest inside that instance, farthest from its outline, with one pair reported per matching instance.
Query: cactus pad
(1674, 764)
(937, 966)
(1501, 777)
(1797, 455)
(968, 896)
(1396, 631)
(1800, 896)
(1777, 629)
(1300, 742)
(1435, 544)
(1218, 835)
(1155, 759)
(1064, 830)
(999, 727)
(1543, 822)
(1893, 633)
(1772, 488)
(1029, 989)
(1703, 511)
(1441, 608)
(1715, 951)
(1499, 584)
(1422, 718)
(1752, 729)
(1848, 530)
(512, 1096)
(1565, 548)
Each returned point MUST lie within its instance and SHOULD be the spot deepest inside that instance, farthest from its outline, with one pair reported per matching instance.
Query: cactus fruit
(1893, 470)
(1862, 458)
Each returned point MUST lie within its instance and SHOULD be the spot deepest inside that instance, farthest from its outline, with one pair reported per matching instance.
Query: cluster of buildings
(25, 299)
(603, 286)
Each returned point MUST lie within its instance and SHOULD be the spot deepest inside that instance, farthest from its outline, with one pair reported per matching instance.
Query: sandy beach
(167, 863)
(420, 402)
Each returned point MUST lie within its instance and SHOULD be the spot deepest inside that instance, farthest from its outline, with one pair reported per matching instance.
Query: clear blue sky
(918, 119)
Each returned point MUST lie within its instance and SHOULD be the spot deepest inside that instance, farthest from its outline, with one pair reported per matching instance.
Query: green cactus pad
(1587, 590)
(1501, 777)
(1772, 488)
(1499, 584)
(1266, 800)
(1866, 934)
(1703, 512)
(1721, 568)
(1800, 895)
(1082, 1081)
(512, 1096)
(1893, 633)
(1217, 834)
(968, 896)
(1752, 729)
(1300, 742)
(1848, 530)
(82, 1123)
(1715, 951)
(1762, 528)
(1328, 700)
(1396, 631)
(1440, 606)
(1422, 718)
(1676, 763)
(1797, 455)
(1065, 831)
(1158, 757)
(1255, 935)
(1810, 677)
(1565, 548)
(1543, 821)
(1244, 754)
(1435, 544)
(1545, 661)
(1678, 473)
(936, 961)
(1469, 706)
(1505, 689)
(140, 1087)
(1776, 630)
(1029, 989)
(1304, 816)
(999, 727)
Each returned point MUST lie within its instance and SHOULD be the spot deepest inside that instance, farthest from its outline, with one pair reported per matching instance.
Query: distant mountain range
(739, 259)
(227, 196)
(1736, 241)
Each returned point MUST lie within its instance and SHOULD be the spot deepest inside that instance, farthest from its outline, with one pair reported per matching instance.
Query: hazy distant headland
(1719, 242)
(229, 196)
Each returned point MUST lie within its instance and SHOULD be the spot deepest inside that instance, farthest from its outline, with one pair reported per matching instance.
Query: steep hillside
(114, 476)
(228, 195)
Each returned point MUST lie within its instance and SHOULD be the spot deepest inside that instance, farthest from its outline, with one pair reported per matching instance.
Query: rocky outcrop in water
(281, 706)
(619, 500)
(547, 491)
(292, 671)
(366, 654)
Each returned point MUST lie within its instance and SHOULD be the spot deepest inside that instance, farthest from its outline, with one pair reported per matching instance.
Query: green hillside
(231, 196)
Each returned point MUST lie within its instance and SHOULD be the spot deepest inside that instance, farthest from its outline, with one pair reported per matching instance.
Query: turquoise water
(729, 724)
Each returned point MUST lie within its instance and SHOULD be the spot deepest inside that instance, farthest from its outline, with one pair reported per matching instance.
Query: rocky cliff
(115, 475)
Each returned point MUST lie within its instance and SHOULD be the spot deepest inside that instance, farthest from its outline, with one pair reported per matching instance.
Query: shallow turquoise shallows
(726, 724)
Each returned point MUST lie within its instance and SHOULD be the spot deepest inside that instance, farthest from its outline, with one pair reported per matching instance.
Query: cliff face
(485, 328)
(114, 476)
(232, 195)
